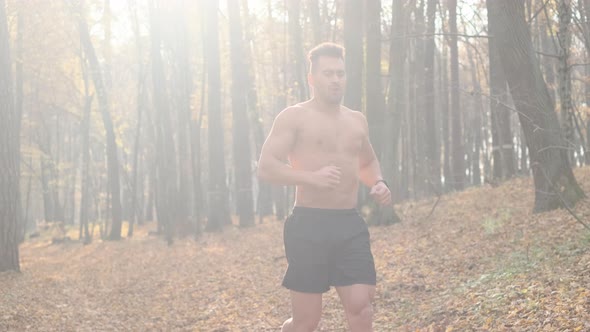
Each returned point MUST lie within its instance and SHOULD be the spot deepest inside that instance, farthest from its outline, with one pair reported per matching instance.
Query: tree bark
(84, 233)
(445, 121)
(140, 100)
(564, 75)
(9, 152)
(585, 17)
(182, 90)
(417, 104)
(167, 195)
(218, 193)
(375, 98)
(477, 125)
(103, 101)
(555, 184)
(431, 142)
(316, 23)
(241, 128)
(296, 49)
(458, 155)
(353, 42)
(502, 147)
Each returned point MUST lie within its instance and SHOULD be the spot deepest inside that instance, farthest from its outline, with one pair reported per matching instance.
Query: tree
(458, 155)
(296, 49)
(241, 128)
(375, 99)
(555, 184)
(167, 197)
(502, 148)
(353, 43)
(103, 101)
(585, 18)
(182, 93)
(432, 145)
(564, 72)
(9, 156)
(395, 99)
(218, 195)
(373, 91)
(85, 172)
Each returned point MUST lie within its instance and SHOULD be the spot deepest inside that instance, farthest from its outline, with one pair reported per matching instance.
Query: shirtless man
(326, 240)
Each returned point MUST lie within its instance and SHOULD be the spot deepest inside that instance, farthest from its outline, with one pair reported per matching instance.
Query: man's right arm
(272, 166)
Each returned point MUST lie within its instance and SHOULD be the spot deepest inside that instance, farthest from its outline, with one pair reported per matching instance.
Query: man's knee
(361, 311)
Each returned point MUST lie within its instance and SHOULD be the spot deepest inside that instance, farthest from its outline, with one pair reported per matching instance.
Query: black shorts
(326, 247)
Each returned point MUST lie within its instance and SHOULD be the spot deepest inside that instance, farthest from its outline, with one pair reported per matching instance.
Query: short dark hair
(324, 49)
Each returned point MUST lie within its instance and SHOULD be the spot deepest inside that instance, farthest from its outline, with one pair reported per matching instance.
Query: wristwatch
(384, 182)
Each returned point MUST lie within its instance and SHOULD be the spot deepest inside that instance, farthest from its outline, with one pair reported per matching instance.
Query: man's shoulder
(355, 114)
(290, 114)
(297, 108)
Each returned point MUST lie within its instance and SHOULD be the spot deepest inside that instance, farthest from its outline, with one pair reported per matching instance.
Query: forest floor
(481, 262)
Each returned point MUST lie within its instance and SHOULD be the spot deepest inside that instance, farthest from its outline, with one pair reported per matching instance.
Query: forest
(130, 134)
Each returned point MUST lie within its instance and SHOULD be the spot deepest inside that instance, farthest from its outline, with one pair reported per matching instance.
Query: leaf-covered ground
(481, 262)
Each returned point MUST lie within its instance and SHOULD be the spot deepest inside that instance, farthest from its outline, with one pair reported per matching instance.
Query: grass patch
(495, 223)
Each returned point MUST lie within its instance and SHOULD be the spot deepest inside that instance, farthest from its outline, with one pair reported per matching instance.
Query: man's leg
(307, 310)
(356, 300)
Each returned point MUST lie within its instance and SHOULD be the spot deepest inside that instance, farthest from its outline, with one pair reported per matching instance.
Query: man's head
(327, 73)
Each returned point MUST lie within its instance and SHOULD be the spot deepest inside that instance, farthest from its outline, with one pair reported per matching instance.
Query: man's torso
(324, 139)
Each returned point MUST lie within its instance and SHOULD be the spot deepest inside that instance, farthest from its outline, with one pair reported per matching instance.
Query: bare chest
(333, 137)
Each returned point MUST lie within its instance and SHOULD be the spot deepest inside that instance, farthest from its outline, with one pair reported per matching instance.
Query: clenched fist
(381, 193)
(327, 177)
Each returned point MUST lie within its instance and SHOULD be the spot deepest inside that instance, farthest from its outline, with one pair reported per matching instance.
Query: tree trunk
(417, 104)
(353, 42)
(555, 184)
(395, 99)
(584, 6)
(373, 90)
(477, 125)
(241, 128)
(183, 92)
(564, 75)
(502, 147)
(84, 234)
(375, 98)
(432, 146)
(548, 45)
(296, 47)
(316, 23)
(103, 101)
(135, 212)
(167, 196)
(458, 154)
(445, 121)
(218, 193)
(9, 162)
(19, 105)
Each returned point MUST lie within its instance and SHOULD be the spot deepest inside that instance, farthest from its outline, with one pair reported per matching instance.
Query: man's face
(328, 79)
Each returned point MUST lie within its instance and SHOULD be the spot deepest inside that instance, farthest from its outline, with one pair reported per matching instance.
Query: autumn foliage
(481, 262)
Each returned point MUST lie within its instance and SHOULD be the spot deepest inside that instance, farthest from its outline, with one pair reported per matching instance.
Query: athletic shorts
(326, 247)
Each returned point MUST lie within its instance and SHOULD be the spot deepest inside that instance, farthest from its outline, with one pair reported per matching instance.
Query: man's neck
(325, 107)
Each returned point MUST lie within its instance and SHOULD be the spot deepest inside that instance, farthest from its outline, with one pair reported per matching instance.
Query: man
(326, 240)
